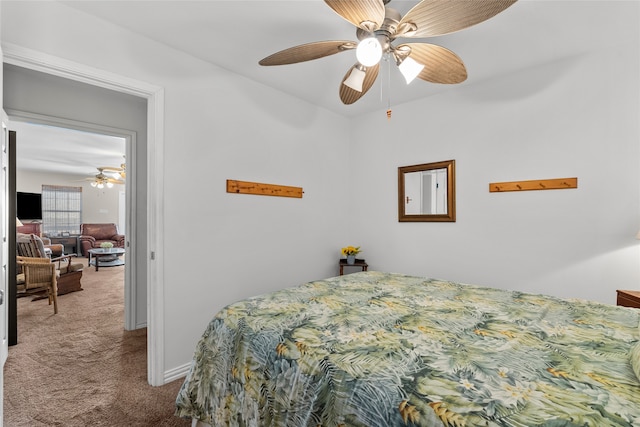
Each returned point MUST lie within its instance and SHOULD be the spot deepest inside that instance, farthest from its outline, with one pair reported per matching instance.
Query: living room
(58, 157)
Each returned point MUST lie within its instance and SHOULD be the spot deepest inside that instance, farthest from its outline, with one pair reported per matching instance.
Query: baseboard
(176, 373)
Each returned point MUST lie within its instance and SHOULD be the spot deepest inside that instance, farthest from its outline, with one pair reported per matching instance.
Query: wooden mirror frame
(450, 216)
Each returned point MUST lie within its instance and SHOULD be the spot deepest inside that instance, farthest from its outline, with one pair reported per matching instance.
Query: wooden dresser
(629, 298)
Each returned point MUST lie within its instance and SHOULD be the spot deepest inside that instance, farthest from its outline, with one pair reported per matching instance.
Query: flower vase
(351, 259)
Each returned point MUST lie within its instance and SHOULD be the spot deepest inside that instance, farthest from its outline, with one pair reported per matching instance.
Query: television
(28, 205)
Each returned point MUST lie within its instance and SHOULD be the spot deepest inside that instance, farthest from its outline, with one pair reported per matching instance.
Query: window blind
(61, 209)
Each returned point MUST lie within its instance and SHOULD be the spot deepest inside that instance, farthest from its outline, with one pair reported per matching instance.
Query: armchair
(38, 276)
(92, 235)
(53, 249)
(69, 273)
(56, 248)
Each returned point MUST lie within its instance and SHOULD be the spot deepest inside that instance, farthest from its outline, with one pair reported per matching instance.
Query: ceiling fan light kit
(378, 26)
(100, 184)
(369, 52)
(101, 179)
(410, 69)
(356, 78)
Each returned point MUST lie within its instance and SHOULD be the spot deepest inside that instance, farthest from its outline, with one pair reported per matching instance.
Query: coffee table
(109, 257)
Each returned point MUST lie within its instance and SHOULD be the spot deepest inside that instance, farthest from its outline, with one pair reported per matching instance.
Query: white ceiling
(236, 34)
(43, 148)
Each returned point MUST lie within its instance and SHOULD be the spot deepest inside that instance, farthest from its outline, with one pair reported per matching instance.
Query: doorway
(147, 190)
(70, 153)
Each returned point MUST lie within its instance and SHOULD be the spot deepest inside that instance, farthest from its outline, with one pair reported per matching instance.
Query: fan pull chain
(388, 90)
(384, 58)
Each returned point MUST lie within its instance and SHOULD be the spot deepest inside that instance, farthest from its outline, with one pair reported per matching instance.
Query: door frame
(38, 61)
(8, 267)
(130, 301)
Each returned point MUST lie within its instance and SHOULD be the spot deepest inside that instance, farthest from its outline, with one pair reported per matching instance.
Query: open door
(4, 239)
(5, 228)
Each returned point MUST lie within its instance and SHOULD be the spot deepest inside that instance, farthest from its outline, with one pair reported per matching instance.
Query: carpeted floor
(80, 367)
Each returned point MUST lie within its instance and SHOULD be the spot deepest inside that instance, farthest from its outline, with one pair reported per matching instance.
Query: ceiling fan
(118, 173)
(379, 26)
(101, 180)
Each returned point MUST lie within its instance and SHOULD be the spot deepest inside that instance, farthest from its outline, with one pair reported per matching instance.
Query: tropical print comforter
(378, 349)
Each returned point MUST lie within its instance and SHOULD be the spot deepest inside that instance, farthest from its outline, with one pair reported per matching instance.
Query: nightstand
(629, 298)
(359, 263)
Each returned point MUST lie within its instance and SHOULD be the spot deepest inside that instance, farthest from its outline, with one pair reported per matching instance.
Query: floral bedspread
(379, 349)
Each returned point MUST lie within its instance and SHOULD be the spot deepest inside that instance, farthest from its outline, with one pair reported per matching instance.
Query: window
(61, 209)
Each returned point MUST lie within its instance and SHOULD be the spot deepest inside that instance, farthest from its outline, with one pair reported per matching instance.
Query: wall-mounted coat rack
(536, 184)
(246, 187)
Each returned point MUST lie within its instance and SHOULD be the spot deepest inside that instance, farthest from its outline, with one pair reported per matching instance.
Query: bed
(381, 349)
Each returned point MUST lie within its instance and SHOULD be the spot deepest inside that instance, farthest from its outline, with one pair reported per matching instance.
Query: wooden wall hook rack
(536, 184)
(246, 187)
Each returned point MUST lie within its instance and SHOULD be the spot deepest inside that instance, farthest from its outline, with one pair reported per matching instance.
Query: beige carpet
(80, 367)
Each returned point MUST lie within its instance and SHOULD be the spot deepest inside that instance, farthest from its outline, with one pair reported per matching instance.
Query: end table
(629, 298)
(359, 263)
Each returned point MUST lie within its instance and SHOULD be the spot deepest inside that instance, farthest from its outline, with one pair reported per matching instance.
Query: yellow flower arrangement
(351, 250)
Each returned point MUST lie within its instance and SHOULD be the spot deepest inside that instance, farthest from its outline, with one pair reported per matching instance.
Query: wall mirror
(427, 192)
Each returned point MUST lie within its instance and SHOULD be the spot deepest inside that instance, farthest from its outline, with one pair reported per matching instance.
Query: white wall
(98, 205)
(577, 117)
(219, 247)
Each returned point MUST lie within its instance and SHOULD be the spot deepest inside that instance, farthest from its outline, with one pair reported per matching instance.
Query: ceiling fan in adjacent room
(379, 26)
(102, 179)
(118, 173)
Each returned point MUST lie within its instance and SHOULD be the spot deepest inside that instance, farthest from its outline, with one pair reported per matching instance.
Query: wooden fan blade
(365, 14)
(307, 52)
(437, 17)
(349, 96)
(110, 169)
(440, 64)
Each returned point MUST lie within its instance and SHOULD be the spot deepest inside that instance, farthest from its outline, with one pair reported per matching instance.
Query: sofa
(93, 235)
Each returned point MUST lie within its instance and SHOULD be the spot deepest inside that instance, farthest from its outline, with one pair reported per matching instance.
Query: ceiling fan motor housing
(391, 20)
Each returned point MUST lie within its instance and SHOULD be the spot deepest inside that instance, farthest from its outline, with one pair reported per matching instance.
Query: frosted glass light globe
(410, 69)
(369, 52)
